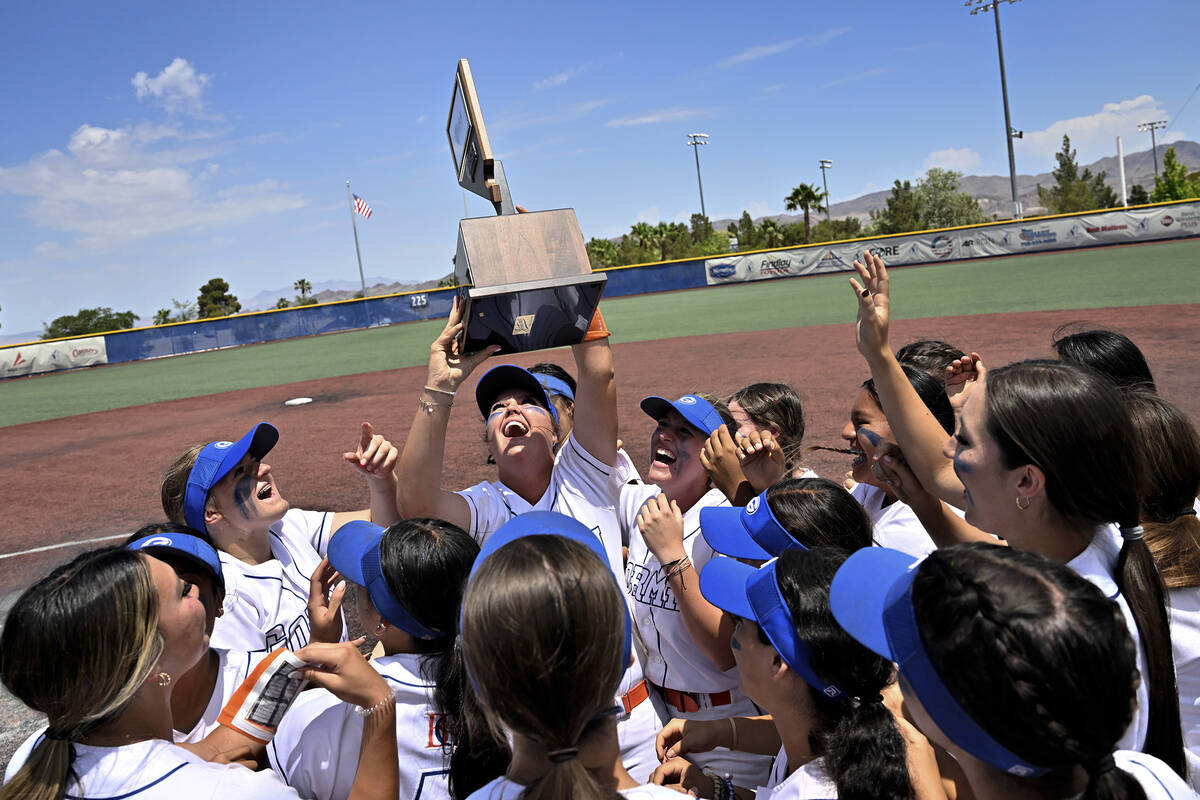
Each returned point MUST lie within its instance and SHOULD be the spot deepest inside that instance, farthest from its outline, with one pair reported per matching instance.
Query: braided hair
(1036, 655)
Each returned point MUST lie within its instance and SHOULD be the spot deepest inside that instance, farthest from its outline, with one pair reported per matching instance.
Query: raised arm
(419, 491)
(596, 394)
(919, 434)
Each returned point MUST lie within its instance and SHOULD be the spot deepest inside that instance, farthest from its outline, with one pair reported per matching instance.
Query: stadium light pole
(826, 164)
(1152, 127)
(1009, 133)
(694, 142)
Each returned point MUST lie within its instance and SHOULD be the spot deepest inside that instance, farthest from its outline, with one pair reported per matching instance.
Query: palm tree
(648, 236)
(771, 230)
(303, 287)
(806, 197)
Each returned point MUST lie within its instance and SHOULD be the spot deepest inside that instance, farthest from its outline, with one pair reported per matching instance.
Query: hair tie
(57, 736)
(859, 702)
(1131, 532)
(1183, 513)
(1102, 766)
(565, 754)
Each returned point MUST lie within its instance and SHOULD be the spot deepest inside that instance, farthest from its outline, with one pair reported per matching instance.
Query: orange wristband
(597, 330)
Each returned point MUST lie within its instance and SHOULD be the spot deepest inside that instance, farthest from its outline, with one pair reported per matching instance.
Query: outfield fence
(1064, 232)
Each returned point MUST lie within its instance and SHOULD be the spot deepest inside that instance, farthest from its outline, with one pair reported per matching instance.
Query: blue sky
(149, 147)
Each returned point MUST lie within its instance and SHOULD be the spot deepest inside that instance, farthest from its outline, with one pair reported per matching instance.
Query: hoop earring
(164, 679)
(1022, 507)
(380, 628)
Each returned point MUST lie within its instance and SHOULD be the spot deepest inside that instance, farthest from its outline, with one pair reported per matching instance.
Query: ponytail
(474, 756)
(46, 774)
(865, 753)
(1139, 580)
(1106, 781)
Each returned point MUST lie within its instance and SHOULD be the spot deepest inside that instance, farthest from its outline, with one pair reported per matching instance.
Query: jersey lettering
(293, 638)
(650, 587)
(437, 730)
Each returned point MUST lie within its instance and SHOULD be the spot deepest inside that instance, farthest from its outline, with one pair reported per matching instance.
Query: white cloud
(648, 215)
(555, 80)
(962, 159)
(758, 208)
(1095, 136)
(420, 119)
(568, 114)
(178, 87)
(764, 50)
(117, 185)
(856, 76)
(662, 115)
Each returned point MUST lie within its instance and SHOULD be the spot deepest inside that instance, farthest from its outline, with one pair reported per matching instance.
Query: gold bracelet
(733, 725)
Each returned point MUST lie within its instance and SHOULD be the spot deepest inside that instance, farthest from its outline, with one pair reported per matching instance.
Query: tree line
(934, 201)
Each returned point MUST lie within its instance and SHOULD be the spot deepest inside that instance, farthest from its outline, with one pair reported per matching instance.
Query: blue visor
(354, 552)
(554, 385)
(752, 532)
(871, 597)
(753, 594)
(504, 377)
(192, 549)
(698, 412)
(216, 461)
(551, 523)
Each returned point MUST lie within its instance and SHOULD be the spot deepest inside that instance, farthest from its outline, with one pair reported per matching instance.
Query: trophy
(525, 278)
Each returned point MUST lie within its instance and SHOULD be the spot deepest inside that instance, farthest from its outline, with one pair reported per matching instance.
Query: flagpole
(358, 253)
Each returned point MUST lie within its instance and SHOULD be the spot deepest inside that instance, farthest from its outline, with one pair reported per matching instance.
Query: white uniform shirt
(1158, 781)
(1185, 642)
(316, 748)
(232, 668)
(158, 770)
(673, 659)
(896, 525)
(504, 789)
(583, 487)
(808, 782)
(266, 605)
(1098, 563)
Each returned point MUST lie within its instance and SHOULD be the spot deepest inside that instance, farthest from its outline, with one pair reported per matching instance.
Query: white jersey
(159, 770)
(673, 660)
(1185, 644)
(233, 667)
(1158, 781)
(1098, 563)
(583, 487)
(266, 605)
(504, 789)
(808, 782)
(316, 747)
(895, 525)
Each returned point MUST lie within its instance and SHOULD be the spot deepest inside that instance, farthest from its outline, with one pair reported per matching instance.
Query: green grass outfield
(1152, 274)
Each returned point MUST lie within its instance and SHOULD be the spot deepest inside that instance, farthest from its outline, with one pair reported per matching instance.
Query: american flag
(361, 207)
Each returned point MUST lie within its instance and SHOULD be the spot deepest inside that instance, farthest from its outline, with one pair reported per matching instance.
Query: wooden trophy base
(532, 286)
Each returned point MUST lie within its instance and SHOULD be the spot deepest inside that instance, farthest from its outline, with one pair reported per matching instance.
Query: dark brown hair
(776, 405)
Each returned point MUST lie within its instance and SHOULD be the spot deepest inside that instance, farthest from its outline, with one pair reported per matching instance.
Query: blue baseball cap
(698, 412)
(752, 532)
(354, 552)
(754, 594)
(871, 598)
(551, 523)
(554, 385)
(215, 461)
(509, 376)
(184, 546)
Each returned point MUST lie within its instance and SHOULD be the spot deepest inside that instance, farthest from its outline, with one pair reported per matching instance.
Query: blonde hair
(96, 616)
(543, 635)
(174, 484)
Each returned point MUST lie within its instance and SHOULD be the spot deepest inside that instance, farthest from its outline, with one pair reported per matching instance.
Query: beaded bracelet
(369, 710)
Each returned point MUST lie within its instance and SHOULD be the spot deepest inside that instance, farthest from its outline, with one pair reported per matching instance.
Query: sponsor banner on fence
(30, 358)
(1022, 236)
